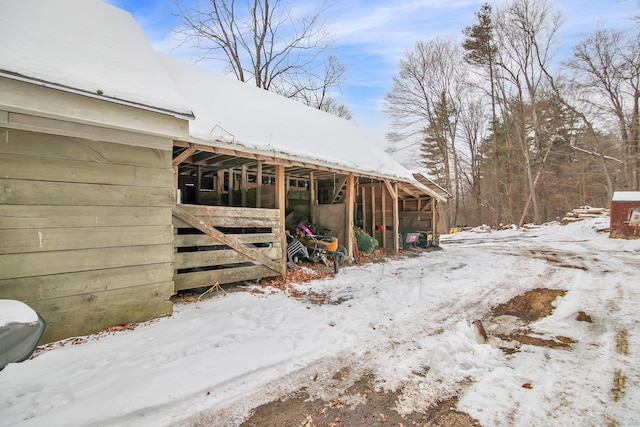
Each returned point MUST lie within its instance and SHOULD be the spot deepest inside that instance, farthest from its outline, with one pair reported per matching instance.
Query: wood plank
(224, 211)
(350, 204)
(281, 205)
(383, 198)
(373, 212)
(91, 313)
(183, 156)
(44, 169)
(231, 222)
(47, 216)
(226, 275)
(67, 284)
(312, 197)
(415, 215)
(99, 133)
(189, 240)
(259, 186)
(217, 236)
(59, 239)
(364, 208)
(21, 192)
(40, 145)
(395, 217)
(45, 263)
(243, 186)
(218, 257)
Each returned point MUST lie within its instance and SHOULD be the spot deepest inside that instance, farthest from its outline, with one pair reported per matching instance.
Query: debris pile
(584, 212)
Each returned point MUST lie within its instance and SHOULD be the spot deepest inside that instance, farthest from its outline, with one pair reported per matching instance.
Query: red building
(625, 215)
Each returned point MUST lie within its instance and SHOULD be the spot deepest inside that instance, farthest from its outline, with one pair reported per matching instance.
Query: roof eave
(187, 115)
(280, 156)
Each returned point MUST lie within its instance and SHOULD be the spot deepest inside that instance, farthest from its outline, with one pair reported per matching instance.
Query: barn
(128, 176)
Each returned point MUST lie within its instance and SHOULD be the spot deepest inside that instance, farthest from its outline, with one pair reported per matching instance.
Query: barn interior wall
(333, 217)
(376, 212)
(86, 230)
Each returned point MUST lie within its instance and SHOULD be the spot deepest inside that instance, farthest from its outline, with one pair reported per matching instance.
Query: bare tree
(472, 121)
(606, 69)
(526, 31)
(264, 41)
(315, 90)
(424, 105)
(480, 45)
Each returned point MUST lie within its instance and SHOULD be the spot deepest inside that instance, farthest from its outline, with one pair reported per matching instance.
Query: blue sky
(370, 36)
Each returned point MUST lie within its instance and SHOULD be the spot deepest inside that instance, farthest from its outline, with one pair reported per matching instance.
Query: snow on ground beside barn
(406, 321)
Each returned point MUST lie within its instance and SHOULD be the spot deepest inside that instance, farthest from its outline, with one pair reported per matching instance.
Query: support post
(383, 209)
(281, 205)
(219, 187)
(364, 207)
(198, 183)
(373, 212)
(312, 198)
(259, 185)
(396, 219)
(230, 183)
(350, 206)
(243, 186)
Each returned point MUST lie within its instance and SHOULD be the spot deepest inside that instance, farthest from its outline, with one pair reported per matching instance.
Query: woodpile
(584, 212)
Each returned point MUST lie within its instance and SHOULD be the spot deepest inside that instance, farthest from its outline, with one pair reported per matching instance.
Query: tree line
(511, 135)
(494, 120)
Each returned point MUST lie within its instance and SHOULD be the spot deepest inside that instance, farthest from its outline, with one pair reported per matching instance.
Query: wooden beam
(230, 182)
(183, 156)
(198, 183)
(396, 219)
(243, 186)
(281, 205)
(393, 190)
(312, 197)
(216, 236)
(383, 209)
(350, 206)
(423, 209)
(409, 190)
(373, 212)
(259, 184)
(219, 186)
(338, 188)
(363, 193)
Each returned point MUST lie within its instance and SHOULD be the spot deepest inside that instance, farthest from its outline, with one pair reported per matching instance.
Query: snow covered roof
(626, 196)
(437, 191)
(97, 50)
(87, 47)
(231, 111)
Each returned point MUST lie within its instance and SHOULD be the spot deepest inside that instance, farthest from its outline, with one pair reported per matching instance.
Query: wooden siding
(35, 107)
(85, 230)
(220, 245)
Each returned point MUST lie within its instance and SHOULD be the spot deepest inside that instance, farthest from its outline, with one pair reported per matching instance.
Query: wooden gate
(225, 245)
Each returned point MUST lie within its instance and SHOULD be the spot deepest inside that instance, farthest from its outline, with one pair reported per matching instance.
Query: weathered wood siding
(377, 214)
(244, 244)
(85, 230)
(417, 214)
(333, 218)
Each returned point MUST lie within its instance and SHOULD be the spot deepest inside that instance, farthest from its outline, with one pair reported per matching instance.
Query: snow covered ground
(219, 358)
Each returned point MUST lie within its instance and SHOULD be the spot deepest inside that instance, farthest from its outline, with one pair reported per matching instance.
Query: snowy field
(218, 359)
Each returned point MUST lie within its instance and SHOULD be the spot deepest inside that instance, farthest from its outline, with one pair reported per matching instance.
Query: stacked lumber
(584, 212)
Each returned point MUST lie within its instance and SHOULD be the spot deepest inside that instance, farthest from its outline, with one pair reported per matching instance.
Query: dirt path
(345, 391)
(355, 400)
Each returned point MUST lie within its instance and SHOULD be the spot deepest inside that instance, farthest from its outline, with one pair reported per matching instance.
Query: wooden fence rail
(221, 245)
